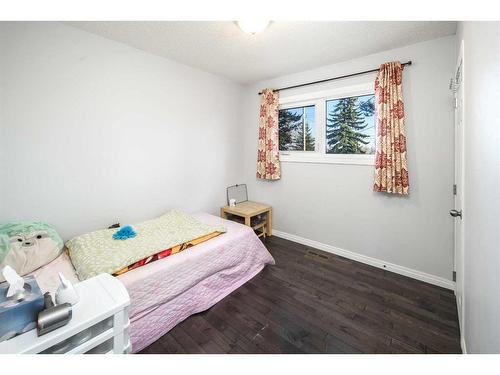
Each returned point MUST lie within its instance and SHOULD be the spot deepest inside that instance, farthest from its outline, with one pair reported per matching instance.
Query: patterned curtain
(268, 162)
(391, 169)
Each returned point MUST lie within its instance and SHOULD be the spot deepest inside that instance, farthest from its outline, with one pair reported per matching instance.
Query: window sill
(328, 159)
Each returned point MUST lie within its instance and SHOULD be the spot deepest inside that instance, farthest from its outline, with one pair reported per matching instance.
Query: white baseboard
(428, 278)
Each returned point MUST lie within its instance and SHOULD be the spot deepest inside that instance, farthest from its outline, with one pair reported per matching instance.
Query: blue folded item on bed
(124, 233)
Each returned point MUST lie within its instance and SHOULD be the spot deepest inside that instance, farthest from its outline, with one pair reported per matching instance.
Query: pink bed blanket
(165, 292)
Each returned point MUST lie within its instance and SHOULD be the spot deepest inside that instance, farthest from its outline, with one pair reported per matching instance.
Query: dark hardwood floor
(316, 302)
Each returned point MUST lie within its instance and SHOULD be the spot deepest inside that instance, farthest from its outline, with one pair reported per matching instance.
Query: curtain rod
(333, 79)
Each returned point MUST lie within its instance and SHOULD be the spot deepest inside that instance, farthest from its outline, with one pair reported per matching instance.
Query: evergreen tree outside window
(350, 125)
(297, 129)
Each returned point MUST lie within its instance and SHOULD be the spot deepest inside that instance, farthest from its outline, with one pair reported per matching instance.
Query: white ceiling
(285, 47)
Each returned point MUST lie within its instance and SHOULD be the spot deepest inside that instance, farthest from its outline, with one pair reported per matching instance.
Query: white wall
(334, 204)
(96, 131)
(3, 141)
(482, 181)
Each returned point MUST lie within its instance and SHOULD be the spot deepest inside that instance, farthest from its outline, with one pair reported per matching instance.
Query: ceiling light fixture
(253, 27)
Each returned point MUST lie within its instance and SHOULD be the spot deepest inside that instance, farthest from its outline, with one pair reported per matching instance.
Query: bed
(165, 292)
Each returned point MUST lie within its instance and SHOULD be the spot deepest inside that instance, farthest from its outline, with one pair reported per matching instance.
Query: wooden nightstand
(256, 215)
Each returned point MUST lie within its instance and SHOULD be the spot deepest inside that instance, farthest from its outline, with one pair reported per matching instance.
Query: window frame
(319, 100)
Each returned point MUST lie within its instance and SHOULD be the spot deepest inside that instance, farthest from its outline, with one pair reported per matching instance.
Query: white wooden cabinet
(99, 324)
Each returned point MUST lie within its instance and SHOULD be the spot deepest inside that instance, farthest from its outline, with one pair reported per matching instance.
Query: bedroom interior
(249, 187)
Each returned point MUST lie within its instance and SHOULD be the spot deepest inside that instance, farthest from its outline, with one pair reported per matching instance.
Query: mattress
(167, 291)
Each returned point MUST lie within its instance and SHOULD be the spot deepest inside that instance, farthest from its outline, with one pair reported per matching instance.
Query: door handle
(456, 213)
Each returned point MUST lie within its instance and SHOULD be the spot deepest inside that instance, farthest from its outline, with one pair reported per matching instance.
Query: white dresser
(99, 324)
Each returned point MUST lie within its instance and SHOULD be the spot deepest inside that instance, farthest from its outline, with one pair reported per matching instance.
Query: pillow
(26, 246)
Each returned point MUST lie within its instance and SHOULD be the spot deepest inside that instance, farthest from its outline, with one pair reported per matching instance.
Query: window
(297, 129)
(350, 125)
(334, 126)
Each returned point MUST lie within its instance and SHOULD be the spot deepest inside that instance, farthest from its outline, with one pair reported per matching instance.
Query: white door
(457, 212)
